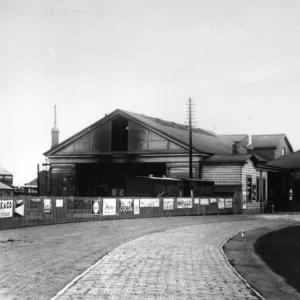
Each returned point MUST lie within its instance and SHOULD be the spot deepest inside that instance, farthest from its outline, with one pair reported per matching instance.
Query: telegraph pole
(190, 121)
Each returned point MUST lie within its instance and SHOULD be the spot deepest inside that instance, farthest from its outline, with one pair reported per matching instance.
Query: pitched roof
(258, 140)
(33, 182)
(5, 187)
(203, 141)
(4, 171)
(232, 158)
(291, 161)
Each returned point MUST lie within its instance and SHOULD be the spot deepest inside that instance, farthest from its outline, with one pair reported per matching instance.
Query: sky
(236, 59)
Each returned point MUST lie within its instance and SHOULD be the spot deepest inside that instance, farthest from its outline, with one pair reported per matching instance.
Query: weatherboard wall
(282, 145)
(222, 174)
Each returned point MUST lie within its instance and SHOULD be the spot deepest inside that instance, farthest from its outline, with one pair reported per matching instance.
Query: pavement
(182, 263)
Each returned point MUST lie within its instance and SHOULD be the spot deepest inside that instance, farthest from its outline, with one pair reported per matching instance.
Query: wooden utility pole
(190, 140)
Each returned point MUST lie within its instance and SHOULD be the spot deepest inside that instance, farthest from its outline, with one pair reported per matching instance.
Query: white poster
(204, 201)
(109, 207)
(213, 200)
(244, 200)
(168, 204)
(96, 207)
(47, 205)
(184, 203)
(221, 204)
(59, 202)
(228, 203)
(6, 208)
(19, 208)
(196, 200)
(136, 206)
(149, 202)
(126, 204)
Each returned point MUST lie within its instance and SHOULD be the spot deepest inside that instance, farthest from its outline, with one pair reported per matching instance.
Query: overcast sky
(236, 59)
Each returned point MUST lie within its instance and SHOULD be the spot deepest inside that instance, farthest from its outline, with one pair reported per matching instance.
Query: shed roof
(291, 161)
(4, 171)
(203, 141)
(5, 187)
(32, 183)
(232, 158)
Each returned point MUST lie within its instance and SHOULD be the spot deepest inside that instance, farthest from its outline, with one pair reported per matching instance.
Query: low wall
(20, 211)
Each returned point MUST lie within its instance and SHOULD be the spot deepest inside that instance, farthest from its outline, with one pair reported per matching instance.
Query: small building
(30, 188)
(6, 182)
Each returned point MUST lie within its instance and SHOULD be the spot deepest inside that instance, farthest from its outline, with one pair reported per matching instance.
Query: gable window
(283, 151)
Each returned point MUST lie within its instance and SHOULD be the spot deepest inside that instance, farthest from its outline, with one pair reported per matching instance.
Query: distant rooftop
(4, 171)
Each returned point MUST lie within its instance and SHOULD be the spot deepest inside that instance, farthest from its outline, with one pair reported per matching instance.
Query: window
(283, 151)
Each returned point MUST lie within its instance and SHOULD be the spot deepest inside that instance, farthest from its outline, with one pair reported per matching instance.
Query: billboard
(109, 207)
(184, 203)
(126, 204)
(6, 208)
(168, 204)
(150, 202)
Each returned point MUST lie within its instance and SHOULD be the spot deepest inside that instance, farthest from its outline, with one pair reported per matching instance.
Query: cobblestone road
(184, 263)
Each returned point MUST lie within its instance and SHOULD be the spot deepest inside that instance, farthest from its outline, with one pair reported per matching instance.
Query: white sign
(6, 208)
(59, 203)
(136, 206)
(19, 208)
(221, 204)
(126, 204)
(228, 203)
(213, 200)
(109, 207)
(196, 200)
(47, 205)
(244, 200)
(204, 201)
(168, 204)
(184, 202)
(96, 207)
(150, 202)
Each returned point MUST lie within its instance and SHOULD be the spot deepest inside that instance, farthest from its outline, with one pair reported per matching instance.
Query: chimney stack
(250, 147)
(54, 132)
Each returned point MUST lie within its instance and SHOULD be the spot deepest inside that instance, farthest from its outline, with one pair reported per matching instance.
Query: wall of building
(283, 144)
(222, 175)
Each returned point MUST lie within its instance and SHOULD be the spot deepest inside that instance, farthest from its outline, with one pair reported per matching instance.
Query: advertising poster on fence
(184, 203)
(47, 205)
(126, 204)
(244, 200)
(136, 206)
(59, 203)
(150, 202)
(221, 204)
(168, 204)
(6, 208)
(96, 207)
(19, 208)
(228, 203)
(204, 201)
(212, 200)
(196, 200)
(109, 207)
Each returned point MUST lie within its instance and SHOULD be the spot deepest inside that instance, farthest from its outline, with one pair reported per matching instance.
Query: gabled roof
(32, 183)
(259, 141)
(291, 161)
(5, 187)
(232, 158)
(4, 172)
(203, 141)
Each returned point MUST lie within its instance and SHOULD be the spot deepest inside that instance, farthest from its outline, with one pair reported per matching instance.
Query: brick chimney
(54, 132)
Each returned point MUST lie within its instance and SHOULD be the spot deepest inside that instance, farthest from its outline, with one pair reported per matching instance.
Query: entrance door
(297, 190)
(249, 189)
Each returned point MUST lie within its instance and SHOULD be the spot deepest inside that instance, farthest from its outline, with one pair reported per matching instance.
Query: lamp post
(46, 167)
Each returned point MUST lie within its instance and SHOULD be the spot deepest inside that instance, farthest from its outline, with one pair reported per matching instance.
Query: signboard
(244, 200)
(59, 202)
(109, 207)
(213, 200)
(96, 207)
(221, 204)
(196, 200)
(168, 204)
(150, 202)
(184, 203)
(228, 203)
(6, 208)
(19, 208)
(47, 205)
(136, 206)
(204, 201)
(126, 204)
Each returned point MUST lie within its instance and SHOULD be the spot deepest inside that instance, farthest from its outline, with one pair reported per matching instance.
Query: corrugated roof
(5, 187)
(203, 141)
(234, 137)
(233, 158)
(291, 161)
(33, 182)
(4, 171)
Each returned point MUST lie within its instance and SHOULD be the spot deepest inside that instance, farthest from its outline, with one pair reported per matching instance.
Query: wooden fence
(22, 211)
